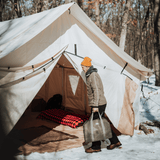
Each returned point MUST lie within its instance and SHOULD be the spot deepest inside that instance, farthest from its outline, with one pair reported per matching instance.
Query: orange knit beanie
(86, 62)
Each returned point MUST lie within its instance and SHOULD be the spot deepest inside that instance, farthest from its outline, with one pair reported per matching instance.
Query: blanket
(63, 117)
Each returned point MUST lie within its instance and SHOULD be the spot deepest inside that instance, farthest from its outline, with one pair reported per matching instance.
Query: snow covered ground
(138, 147)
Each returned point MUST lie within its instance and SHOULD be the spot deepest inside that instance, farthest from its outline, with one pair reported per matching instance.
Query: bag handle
(91, 117)
(91, 122)
(102, 124)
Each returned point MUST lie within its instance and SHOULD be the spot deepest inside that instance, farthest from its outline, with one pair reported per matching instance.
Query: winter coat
(95, 90)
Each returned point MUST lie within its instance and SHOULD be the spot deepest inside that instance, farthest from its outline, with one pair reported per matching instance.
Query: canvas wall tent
(26, 47)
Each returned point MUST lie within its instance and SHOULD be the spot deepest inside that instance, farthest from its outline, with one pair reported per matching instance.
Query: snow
(139, 146)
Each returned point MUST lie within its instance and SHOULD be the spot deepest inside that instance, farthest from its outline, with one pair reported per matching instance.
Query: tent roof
(16, 34)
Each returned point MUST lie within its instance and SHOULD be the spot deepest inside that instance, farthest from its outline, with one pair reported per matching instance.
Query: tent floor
(36, 135)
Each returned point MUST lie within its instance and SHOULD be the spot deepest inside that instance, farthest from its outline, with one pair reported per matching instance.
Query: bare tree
(39, 5)
(46, 4)
(69, 1)
(2, 4)
(97, 13)
(124, 25)
(157, 41)
(16, 7)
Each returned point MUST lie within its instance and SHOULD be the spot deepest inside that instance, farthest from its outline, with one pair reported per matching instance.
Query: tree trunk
(1, 9)
(124, 25)
(157, 41)
(45, 6)
(40, 6)
(80, 3)
(97, 13)
(17, 8)
(69, 1)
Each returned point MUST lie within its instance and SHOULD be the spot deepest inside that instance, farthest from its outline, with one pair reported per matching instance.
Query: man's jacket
(95, 89)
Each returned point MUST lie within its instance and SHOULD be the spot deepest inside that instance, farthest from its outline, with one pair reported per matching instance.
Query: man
(97, 102)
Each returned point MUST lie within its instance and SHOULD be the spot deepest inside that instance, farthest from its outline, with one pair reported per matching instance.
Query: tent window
(74, 80)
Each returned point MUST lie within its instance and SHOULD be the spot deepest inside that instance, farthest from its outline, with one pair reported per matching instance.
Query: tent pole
(75, 49)
(104, 66)
(124, 67)
(74, 54)
(123, 70)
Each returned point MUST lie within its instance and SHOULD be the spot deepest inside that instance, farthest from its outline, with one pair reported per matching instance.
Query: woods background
(134, 25)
